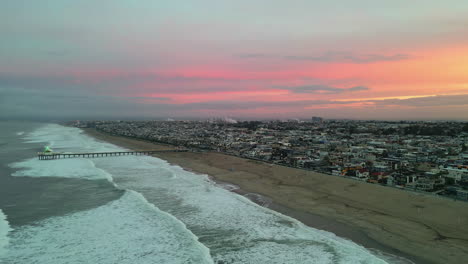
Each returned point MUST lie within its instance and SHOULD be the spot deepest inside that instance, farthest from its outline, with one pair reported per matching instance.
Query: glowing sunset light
(389, 97)
(255, 62)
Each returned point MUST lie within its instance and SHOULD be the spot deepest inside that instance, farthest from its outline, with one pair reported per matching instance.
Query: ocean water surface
(138, 209)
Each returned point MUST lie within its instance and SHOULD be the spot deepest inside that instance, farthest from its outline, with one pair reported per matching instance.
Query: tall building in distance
(317, 119)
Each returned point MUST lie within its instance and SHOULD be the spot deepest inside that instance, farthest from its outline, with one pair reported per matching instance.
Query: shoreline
(330, 225)
(405, 224)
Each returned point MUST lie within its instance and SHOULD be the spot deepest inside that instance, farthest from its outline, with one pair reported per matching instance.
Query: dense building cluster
(420, 156)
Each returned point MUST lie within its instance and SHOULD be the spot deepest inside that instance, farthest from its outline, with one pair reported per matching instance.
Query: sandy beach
(426, 229)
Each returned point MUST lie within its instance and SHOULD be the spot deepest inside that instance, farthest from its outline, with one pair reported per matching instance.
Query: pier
(61, 155)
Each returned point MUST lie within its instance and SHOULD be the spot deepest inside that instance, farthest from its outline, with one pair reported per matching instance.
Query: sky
(245, 59)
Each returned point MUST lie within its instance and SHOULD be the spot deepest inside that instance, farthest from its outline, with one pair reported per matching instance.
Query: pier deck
(61, 155)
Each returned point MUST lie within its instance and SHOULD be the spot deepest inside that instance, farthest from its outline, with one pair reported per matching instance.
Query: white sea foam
(64, 139)
(393, 259)
(128, 230)
(66, 168)
(20, 133)
(61, 138)
(229, 186)
(258, 199)
(4, 230)
(246, 232)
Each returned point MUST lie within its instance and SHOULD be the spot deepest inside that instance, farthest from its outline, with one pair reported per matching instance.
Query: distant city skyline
(260, 59)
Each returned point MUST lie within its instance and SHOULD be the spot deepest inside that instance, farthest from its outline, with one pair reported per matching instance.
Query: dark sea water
(137, 209)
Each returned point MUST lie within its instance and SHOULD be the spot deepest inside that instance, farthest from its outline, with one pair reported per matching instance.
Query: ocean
(138, 209)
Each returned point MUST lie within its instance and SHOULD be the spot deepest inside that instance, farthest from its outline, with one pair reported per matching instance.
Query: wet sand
(423, 228)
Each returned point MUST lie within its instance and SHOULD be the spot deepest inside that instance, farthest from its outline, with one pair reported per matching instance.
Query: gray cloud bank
(53, 103)
(347, 57)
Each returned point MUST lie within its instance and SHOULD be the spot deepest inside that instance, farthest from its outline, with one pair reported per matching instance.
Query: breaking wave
(125, 231)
